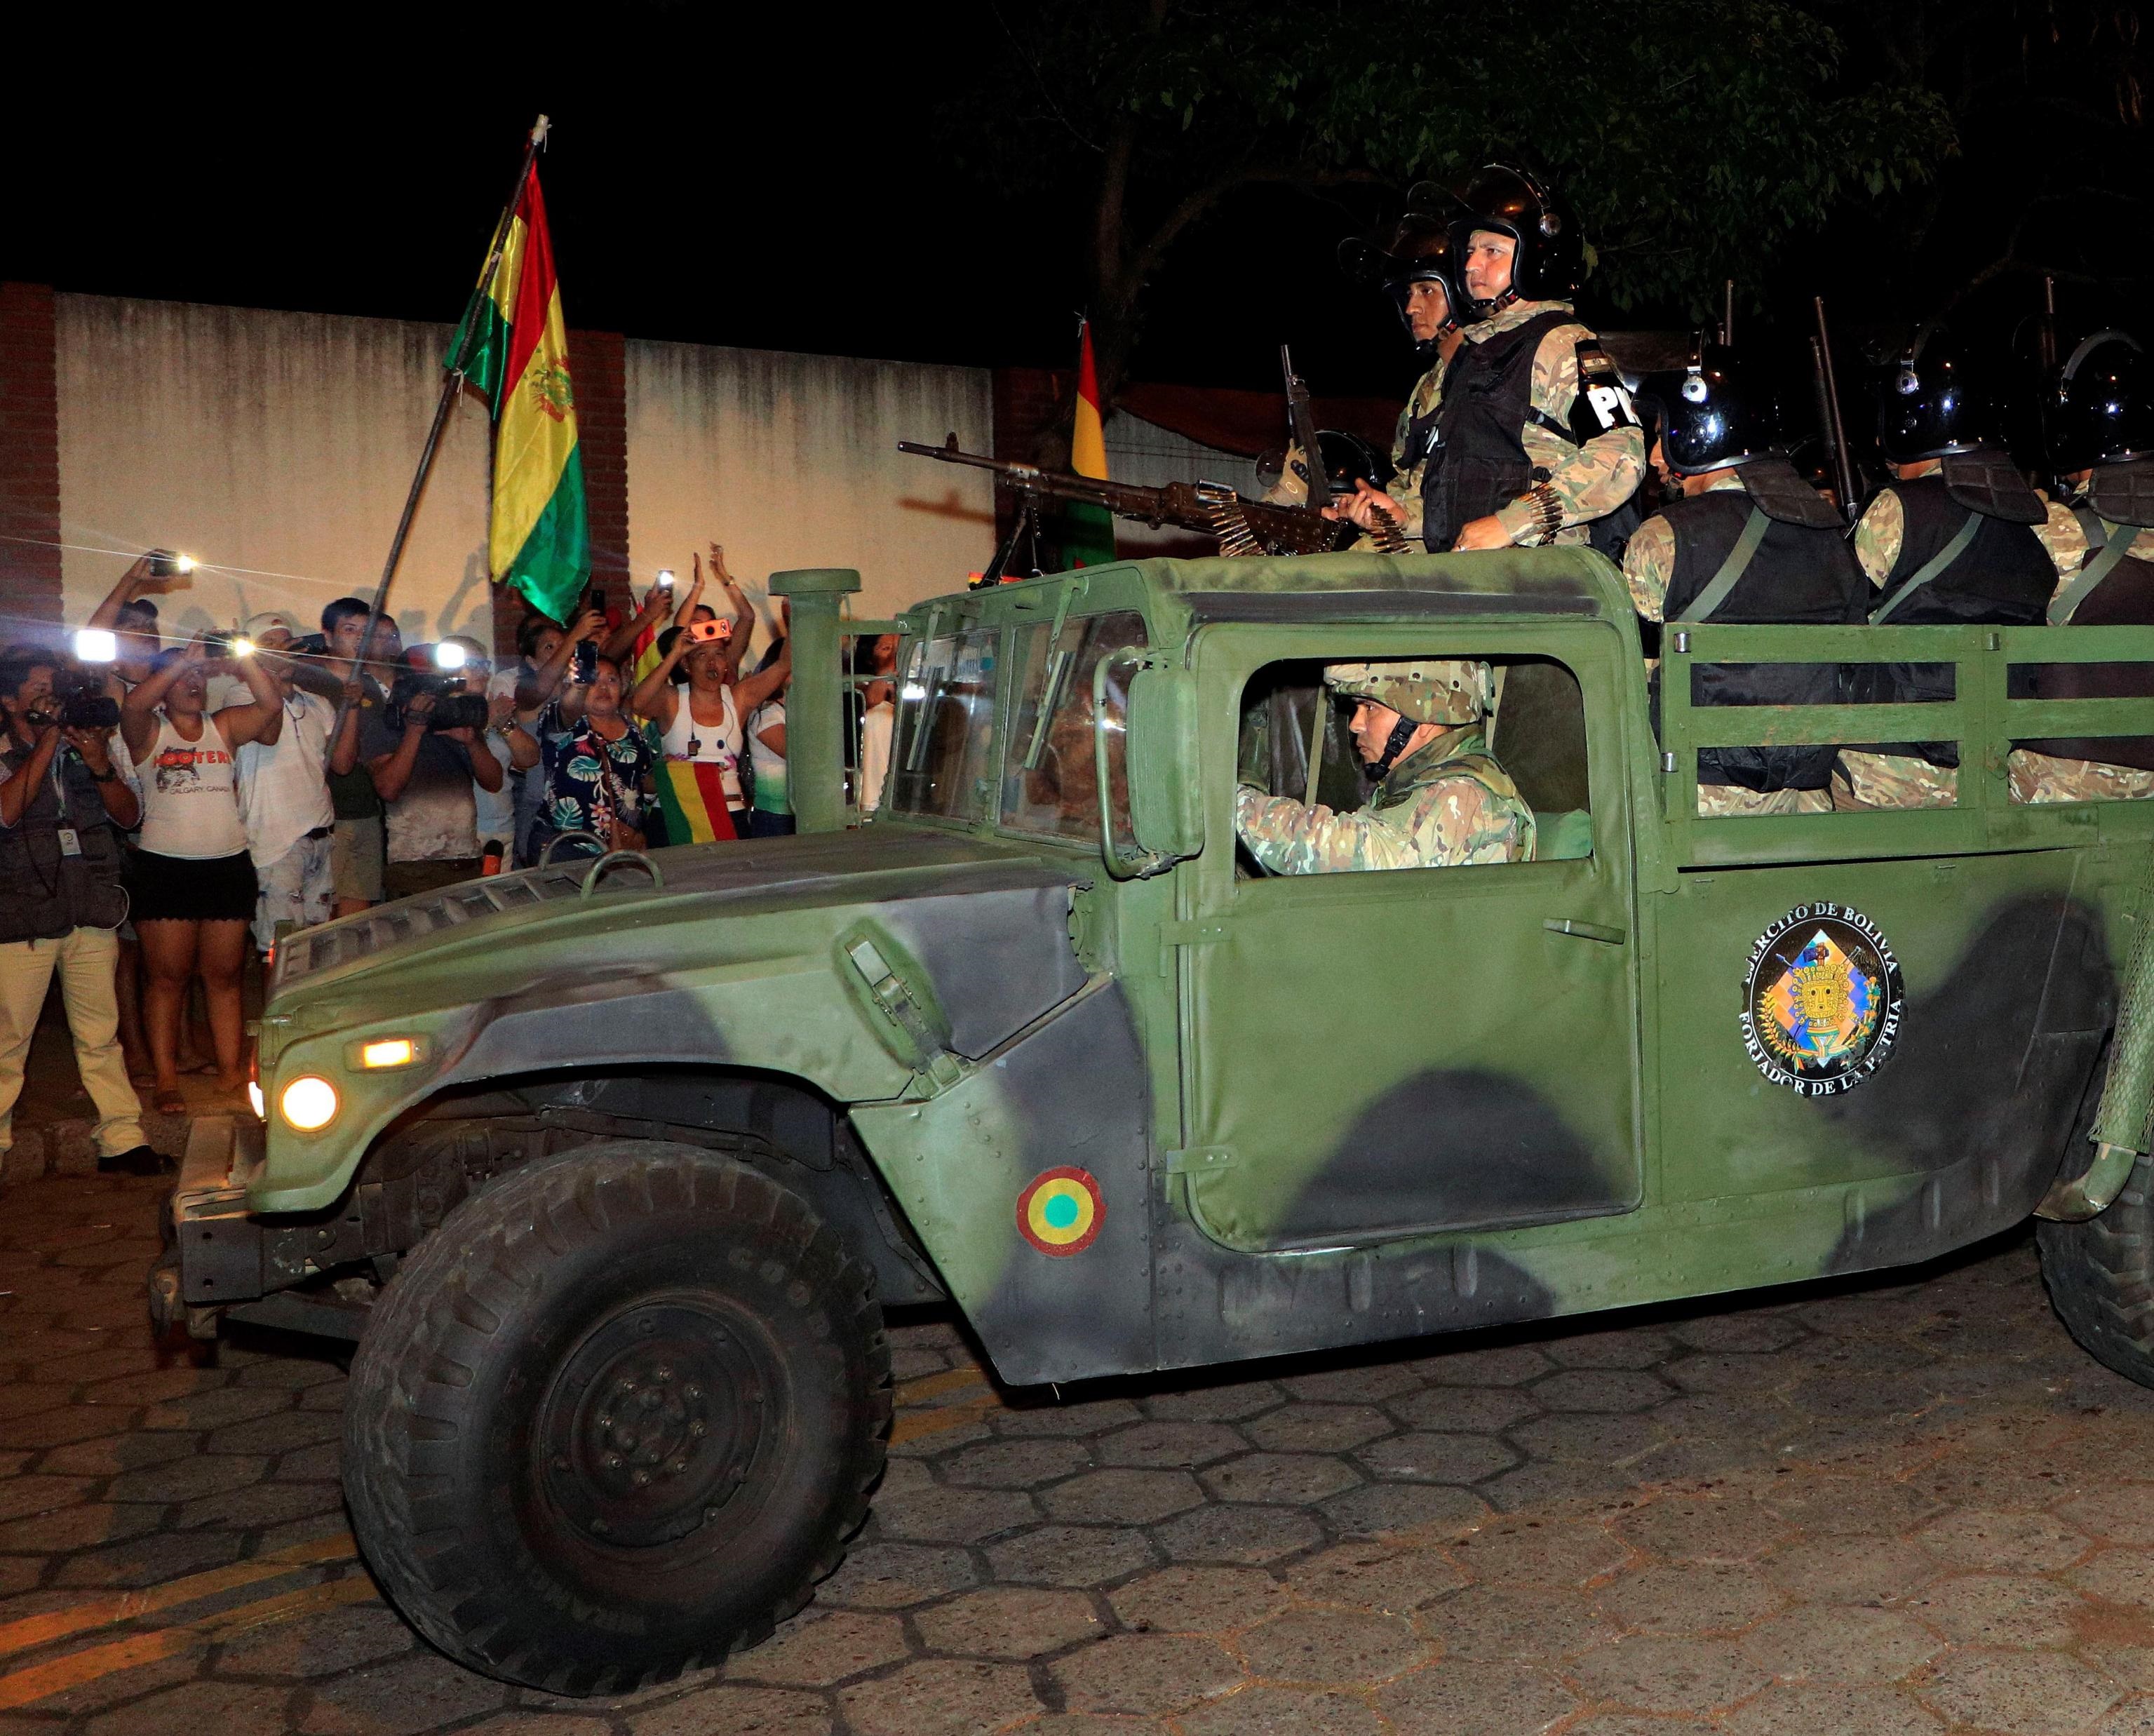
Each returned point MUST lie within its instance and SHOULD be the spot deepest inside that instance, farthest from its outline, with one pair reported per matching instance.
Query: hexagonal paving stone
(1145, 1672)
(1591, 1438)
(1634, 1348)
(1318, 1428)
(1016, 1464)
(1422, 1456)
(184, 1479)
(2105, 1515)
(1267, 1711)
(1532, 1552)
(1692, 1527)
(2027, 1693)
(1228, 1402)
(1197, 1600)
(1600, 1389)
(82, 1526)
(1368, 1383)
(1841, 1644)
(953, 1515)
(764, 1711)
(1169, 1445)
(1646, 1674)
(896, 1575)
(939, 1697)
(1123, 1496)
(1072, 1556)
(1095, 1417)
(1504, 1366)
(820, 1650)
(2009, 1542)
(1715, 1598)
(198, 1708)
(1494, 1622)
(1464, 1410)
(1291, 1477)
(25, 1497)
(1997, 1609)
(1415, 1512)
(1807, 1708)
(1754, 1331)
(1476, 1699)
(1852, 1569)
(422, 1691)
(1239, 1534)
(323, 1646)
(1010, 1621)
(1376, 1576)
(1850, 1506)
(2120, 1575)
(1335, 1647)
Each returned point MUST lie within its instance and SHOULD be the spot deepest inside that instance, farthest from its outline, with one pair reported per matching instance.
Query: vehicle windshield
(944, 732)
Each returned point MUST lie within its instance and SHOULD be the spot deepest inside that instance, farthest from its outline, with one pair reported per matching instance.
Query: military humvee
(610, 1168)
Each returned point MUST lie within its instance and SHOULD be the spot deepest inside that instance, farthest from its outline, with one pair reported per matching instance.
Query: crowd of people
(169, 808)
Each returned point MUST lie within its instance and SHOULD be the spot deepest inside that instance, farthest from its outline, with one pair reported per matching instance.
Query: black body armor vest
(1477, 461)
(2002, 577)
(2125, 599)
(1803, 574)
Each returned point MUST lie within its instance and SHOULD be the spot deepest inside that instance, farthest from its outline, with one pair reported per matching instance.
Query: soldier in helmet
(1749, 540)
(1440, 799)
(1535, 438)
(1417, 269)
(2099, 422)
(1951, 542)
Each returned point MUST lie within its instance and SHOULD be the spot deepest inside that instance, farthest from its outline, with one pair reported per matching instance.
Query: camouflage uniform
(2043, 777)
(1649, 564)
(1888, 780)
(1447, 804)
(1405, 486)
(1589, 481)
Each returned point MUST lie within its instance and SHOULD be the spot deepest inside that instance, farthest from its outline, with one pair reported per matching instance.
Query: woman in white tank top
(701, 721)
(191, 881)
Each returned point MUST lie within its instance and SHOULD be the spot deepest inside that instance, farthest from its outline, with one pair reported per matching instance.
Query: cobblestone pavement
(1898, 1507)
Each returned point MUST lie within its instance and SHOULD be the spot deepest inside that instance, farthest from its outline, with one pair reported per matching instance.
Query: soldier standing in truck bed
(1749, 540)
(2099, 422)
(1535, 438)
(1951, 542)
(1417, 271)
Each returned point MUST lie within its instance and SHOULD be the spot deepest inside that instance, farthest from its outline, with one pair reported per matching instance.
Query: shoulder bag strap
(1928, 570)
(1732, 569)
(2099, 567)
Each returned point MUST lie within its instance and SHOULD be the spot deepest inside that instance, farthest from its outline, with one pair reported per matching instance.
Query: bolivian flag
(1087, 531)
(513, 347)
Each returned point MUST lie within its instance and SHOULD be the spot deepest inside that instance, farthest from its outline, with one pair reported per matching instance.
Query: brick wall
(1026, 401)
(29, 462)
(596, 360)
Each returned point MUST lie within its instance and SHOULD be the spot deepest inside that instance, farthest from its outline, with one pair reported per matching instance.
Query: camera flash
(183, 563)
(665, 577)
(93, 645)
(448, 657)
(242, 647)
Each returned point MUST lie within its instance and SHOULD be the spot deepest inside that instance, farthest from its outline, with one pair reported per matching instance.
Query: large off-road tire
(2100, 1275)
(615, 1416)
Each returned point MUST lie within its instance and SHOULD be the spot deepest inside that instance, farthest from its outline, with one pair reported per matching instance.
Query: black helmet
(1712, 414)
(1551, 258)
(1418, 251)
(2101, 409)
(1931, 403)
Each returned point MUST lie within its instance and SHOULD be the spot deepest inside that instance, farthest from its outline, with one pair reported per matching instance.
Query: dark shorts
(182, 889)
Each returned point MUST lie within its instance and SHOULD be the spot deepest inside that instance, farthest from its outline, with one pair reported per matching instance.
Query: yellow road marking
(35, 1630)
(928, 1387)
(42, 1681)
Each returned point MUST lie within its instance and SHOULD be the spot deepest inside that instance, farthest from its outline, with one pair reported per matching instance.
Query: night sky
(766, 177)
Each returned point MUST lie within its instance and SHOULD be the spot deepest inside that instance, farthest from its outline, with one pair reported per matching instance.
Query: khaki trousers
(86, 959)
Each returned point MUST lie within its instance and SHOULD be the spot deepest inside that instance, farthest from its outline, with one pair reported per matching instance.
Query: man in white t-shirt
(284, 793)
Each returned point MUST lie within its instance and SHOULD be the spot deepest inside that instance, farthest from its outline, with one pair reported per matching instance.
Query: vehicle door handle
(1584, 930)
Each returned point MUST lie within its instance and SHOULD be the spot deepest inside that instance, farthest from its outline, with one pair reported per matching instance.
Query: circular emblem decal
(1821, 1000)
(1061, 1211)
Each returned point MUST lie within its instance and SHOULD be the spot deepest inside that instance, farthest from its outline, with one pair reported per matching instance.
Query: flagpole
(452, 381)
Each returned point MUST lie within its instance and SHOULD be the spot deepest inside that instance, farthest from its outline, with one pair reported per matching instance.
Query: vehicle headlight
(309, 1103)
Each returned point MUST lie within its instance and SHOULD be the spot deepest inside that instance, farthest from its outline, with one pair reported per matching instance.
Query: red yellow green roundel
(1061, 1211)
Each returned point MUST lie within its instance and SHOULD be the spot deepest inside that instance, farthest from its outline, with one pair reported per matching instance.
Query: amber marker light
(309, 1103)
(388, 1052)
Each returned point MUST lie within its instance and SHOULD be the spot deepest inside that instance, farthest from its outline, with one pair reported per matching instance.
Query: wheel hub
(651, 1424)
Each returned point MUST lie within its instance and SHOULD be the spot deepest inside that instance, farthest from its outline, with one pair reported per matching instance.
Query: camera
(164, 563)
(707, 632)
(454, 708)
(227, 645)
(78, 701)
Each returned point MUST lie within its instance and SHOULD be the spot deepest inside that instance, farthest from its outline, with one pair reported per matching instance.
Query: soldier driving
(1441, 799)
(1749, 540)
(2097, 422)
(1950, 542)
(1535, 437)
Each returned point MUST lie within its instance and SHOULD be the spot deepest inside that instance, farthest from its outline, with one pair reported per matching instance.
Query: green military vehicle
(610, 1168)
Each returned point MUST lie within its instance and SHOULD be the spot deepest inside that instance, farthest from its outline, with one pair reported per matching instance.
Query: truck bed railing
(1981, 717)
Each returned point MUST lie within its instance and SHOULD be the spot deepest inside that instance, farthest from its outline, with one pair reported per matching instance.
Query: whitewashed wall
(792, 461)
(274, 447)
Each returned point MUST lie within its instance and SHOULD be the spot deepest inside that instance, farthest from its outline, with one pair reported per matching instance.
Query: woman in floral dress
(598, 776)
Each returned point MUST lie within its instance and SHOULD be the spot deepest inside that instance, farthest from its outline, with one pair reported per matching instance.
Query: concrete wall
(791, 461)
(276, 448)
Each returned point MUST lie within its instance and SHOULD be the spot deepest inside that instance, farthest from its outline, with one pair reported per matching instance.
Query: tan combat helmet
(1423, 689)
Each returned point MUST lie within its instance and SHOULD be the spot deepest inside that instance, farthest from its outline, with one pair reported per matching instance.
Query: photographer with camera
(191, 880)
(284, 791)
(64, 803)
(423, 751)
